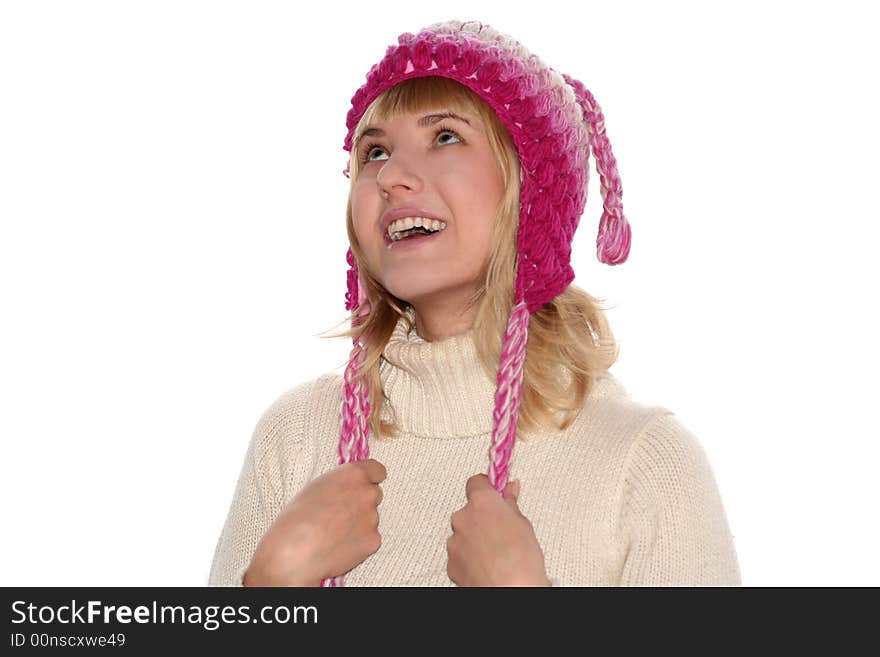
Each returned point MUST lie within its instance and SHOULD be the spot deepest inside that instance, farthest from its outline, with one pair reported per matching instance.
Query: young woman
(469, 162)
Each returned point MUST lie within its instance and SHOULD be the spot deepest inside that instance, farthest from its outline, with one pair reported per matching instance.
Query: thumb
(511, 491)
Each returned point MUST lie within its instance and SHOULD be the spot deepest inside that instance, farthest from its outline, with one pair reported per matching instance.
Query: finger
(475, 483)
(375, 470)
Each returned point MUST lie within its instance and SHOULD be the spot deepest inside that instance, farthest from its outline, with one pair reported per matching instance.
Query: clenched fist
(330, 527)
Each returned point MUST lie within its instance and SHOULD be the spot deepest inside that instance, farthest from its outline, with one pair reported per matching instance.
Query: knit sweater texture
(624, 497)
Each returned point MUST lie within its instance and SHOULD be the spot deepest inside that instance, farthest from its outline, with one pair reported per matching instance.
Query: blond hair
(569, 339)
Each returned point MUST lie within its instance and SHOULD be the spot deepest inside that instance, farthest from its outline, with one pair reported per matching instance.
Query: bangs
(419, 95)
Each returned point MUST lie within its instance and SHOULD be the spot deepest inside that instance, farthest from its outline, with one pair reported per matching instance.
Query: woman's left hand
(492, 542)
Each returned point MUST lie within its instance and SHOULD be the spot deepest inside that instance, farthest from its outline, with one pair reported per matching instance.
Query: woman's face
(428, 165)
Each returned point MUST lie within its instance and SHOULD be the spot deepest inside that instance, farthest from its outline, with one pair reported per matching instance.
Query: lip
(393, 214)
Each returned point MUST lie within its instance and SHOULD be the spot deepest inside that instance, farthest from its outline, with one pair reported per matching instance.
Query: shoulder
(667, 468)
(667, 436)
(671, 515)
(294, 406)
(651, 437)
(593, 451)
(668, 447)
(284, 439)
(661, 465)
(613, 418)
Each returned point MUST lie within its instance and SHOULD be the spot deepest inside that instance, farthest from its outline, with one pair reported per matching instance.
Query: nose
(395, 176)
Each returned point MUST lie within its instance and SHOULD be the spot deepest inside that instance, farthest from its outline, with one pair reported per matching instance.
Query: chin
(412, 292)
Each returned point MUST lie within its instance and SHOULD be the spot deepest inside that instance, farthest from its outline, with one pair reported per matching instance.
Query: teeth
(401, 225)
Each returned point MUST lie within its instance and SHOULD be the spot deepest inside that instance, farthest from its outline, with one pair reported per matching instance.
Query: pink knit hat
(554, 122)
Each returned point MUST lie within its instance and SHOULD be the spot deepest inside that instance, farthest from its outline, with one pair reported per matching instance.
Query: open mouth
(412, 237)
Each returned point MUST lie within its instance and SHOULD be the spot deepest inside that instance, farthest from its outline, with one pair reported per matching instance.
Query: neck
(440, 389)
(438, 319)
(436, 388)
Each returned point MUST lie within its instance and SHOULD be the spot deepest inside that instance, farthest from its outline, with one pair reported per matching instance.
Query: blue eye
(366, 150)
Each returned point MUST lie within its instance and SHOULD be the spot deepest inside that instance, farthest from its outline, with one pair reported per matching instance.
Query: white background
(173, 241)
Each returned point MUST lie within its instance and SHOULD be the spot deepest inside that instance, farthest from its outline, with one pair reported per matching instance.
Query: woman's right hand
(330, 527)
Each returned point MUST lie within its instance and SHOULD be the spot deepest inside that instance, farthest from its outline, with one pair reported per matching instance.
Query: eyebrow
(427, 120)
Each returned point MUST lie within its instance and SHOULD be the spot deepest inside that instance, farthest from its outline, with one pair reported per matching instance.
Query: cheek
(484, 241)
(359, 224)
(491, 191)
(482, 181)
(360, 214)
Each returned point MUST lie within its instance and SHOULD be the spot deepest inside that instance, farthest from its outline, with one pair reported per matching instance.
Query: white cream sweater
(623, 497)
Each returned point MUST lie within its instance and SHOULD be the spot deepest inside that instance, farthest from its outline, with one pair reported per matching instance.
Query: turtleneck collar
(440, 390)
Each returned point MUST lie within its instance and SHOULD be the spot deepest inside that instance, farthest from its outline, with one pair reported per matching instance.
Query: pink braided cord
(507, 395)
(615, 234)
(355, 408)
